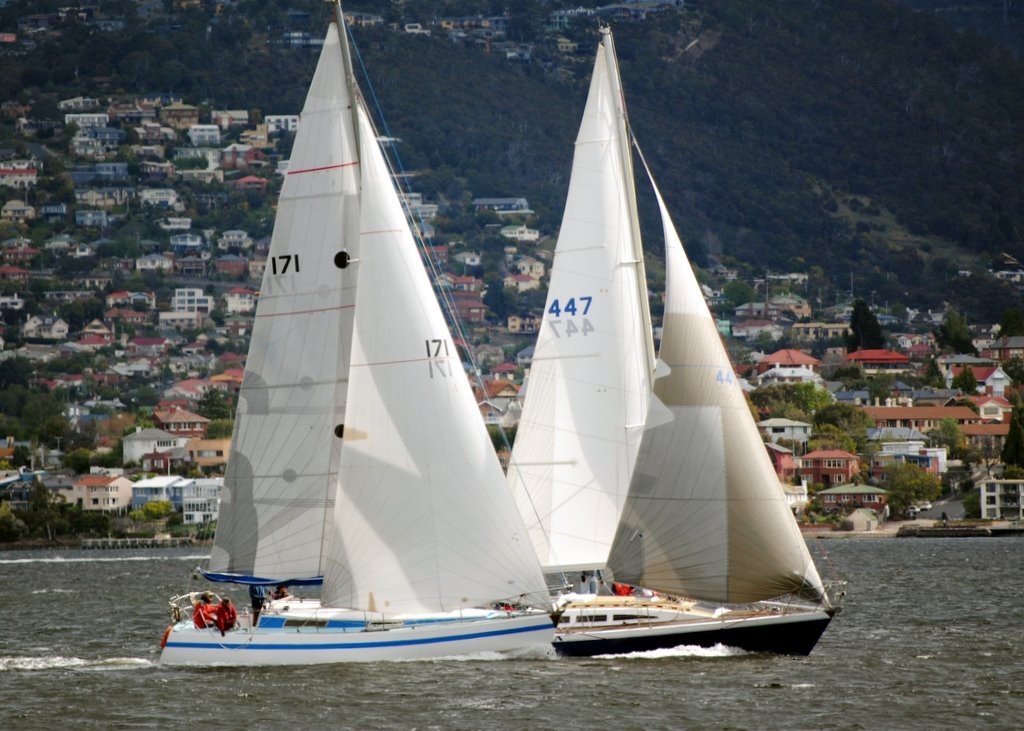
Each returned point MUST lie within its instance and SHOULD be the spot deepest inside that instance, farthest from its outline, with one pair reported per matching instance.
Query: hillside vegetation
(871, 145)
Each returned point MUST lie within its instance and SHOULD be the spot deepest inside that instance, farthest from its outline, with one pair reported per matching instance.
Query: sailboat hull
(784, 632)
(258, 646)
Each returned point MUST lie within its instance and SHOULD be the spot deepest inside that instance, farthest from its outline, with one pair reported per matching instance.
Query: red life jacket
(203, 615)
(226, 616)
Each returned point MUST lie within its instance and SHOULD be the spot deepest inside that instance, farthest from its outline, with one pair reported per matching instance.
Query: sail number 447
(569, 316)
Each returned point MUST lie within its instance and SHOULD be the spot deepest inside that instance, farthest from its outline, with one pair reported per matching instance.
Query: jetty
(162, 542)
(959, 531)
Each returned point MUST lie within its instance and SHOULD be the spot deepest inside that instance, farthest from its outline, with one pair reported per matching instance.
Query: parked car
(924, 506)
(912, 512)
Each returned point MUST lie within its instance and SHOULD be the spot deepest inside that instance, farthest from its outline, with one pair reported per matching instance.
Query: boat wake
(681, 651)
(11, 664)
(98, 559)
(535, 652)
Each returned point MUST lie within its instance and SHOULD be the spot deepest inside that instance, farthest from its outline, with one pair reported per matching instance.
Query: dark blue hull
(784, 637)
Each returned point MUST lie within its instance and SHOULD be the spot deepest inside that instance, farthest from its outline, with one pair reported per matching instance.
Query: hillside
(876, 147)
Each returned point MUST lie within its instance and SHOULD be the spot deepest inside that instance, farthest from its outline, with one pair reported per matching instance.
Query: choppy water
(931, 637)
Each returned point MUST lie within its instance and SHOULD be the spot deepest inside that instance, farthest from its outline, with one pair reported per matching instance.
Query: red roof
(791, 356)
(829, 454)
(878, 355)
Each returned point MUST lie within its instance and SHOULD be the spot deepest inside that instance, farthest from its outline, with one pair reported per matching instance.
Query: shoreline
(921, 528)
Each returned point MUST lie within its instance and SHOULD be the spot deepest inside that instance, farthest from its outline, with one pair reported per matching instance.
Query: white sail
(589, 381)
(424, 520)
(280, 482)
(706, 516)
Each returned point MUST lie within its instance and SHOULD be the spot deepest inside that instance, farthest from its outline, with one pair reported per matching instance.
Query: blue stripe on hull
(171, 643)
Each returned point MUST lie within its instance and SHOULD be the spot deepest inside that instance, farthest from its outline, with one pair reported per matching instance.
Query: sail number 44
(568, 317)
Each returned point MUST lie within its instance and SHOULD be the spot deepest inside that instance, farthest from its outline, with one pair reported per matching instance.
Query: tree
(1011, 324)
(1014, 368)
(1013, 448)
(966, 381)
(865, 332)
(954, 333)
(11, 527)
(214, 405)
(907, 483)
(847, 419)
(830, 436)
(219, 429)
(156, 510)
(949, 435)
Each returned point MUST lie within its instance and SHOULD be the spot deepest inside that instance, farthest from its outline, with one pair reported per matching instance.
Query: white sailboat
(359, 456)
(696, 508)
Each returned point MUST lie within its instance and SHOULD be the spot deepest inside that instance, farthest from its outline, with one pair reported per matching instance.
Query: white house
(154, 262)
(191, 299)
(1002, 499)
(204, 134)
(146, 441)
(200, 500)
(795, 432)
(239, 300)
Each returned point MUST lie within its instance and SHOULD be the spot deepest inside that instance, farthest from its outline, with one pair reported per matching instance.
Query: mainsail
(280, 482)
(706, 516)
(590, 378)
(359, 452)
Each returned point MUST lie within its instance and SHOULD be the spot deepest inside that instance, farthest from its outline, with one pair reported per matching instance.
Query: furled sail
(279, 486)
(589, 381)
(706, 516)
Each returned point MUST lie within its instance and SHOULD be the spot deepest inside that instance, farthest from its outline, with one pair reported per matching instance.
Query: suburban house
(106, 493)
(829, 466)
(208, 454)
(788, 357)
(181, 422)
(920, 418)
(847, 497)
(170, 488)
(147, 441)
(786, 466)
(1002, 499)
(879, 360)
(200, 499)
(992, 379)
(45, 327)
(930, 459)
(789, 430)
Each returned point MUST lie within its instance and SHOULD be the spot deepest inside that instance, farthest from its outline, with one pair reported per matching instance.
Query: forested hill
(853, 139)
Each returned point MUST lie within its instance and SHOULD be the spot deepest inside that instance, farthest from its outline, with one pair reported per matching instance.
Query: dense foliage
(874, 143)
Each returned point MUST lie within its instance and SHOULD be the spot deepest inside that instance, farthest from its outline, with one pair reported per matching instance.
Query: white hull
(187, 645)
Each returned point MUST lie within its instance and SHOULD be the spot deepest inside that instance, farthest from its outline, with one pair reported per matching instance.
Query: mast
(626, 159)
(346, 63)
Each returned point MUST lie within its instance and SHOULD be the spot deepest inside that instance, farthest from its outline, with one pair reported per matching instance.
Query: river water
(931, 637)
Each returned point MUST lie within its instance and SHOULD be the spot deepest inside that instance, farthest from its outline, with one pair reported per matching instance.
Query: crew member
(225, 616)
(204, 613)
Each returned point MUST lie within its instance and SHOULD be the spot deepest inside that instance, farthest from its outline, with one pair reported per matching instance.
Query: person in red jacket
(204, 613)
(225, 616)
